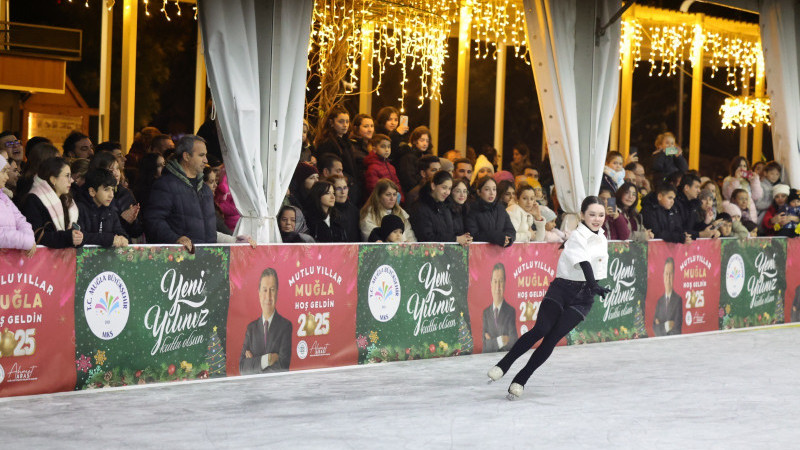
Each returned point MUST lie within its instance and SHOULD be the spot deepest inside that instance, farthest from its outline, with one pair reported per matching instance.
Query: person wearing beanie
(391, 230)
(503, 175)
(447, 165)
(791, 212)
(482, 168)
(15, 231)
(739, 230)
(772, 217)
(305, 175)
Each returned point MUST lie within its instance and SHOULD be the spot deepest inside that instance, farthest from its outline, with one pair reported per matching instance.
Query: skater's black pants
(552, 324)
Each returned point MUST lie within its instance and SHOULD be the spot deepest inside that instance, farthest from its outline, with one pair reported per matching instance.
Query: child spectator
(381, 202)
(378, 165)
(49, 207)
(79, 167)
(792, 212)
(772, 176)
(725, 225)
(98, 220)
(526, 217)
(739, 230)
(124, 202)
(551, 231)
(668, 158)
(210, 179)
(482, 168)
(613, 172)
(347, 212)
(663, 218)
(390, 231)
(488, 220)
(224, 200)
(15, 231)
(742, 199)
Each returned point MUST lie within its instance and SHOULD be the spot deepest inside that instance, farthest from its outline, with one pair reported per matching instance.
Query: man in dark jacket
(98, 220)
(663, 218)
(499, 324)
(688, 205)
(181, 206)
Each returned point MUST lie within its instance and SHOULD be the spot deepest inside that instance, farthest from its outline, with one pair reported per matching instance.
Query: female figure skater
(569, 297)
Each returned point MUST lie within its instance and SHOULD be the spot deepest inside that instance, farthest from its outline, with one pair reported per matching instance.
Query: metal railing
(41, 41)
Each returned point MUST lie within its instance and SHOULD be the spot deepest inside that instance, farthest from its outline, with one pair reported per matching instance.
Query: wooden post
(106, 42)
(365, 82)
(743, 131)
(199, 84)
(625, 100)
(697, 95)
(462, 84)
(758, 131)
(500, 102)
(128, 97)
(434, 127)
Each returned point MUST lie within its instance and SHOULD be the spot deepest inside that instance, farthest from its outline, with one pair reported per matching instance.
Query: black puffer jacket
(179, 207)
(408, 168)
(432, 221)
(321, 231)
(666, 225)
(459, 213)
(99, 224)
(348, 219)
(489, 222)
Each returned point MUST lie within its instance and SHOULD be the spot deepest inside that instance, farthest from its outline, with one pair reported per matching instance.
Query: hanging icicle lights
(671, 45)
(744, 111)
(173, 5)
(498, 22)
(411, 34)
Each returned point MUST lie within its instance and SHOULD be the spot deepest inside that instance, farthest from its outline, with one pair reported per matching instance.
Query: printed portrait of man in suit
(268, 340)
(499, 326)
(669, 309)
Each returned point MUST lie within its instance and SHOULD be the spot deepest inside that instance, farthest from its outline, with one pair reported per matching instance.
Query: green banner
(621, 314)
(150, 314)
(753, 282)
(412, 302)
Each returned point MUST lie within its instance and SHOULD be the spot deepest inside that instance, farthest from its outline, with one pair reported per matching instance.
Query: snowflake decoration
(84, 363)
(361, 341)
(100, 357)
(373, 337)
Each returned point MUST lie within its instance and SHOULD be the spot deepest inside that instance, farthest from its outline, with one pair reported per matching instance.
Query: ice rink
(720, 390)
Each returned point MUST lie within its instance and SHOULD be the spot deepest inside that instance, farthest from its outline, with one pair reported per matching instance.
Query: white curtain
(256, 52)
(577, 83)
(777, 20)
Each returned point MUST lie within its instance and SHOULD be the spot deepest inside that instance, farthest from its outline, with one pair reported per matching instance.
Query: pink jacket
(378, 168)
(753, 188)
(15, 231)
(224, 199)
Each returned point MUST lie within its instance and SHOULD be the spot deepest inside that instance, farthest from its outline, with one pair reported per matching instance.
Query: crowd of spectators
(365, 180)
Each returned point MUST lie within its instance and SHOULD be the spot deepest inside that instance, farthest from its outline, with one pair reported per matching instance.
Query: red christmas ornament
(616, 332)
(138, 373)
(408, 351)
(170, 257)
(171, 368)
(432, 348)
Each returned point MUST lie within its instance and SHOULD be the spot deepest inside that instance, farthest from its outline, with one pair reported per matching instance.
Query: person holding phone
(742, 178)
(389, 123)
(668, 157)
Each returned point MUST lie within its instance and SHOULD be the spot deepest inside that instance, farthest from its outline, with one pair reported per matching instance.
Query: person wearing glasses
(348, 213)
(12, 147)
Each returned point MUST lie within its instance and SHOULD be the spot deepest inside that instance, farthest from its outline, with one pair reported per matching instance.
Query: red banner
(682, 296)
(37, 322)
(521, 273)
(314, 309)
(792, 307)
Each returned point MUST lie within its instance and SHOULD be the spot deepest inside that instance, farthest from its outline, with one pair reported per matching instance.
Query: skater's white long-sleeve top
(584, 245)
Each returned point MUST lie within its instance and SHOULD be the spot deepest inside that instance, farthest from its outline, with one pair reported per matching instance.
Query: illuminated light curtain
(256, 53)
(779, 41)
(577, 120)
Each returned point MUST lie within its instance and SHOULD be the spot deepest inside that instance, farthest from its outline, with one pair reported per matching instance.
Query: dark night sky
(165, 83)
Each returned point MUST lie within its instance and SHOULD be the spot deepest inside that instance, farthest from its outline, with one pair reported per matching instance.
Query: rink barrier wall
(93, 318)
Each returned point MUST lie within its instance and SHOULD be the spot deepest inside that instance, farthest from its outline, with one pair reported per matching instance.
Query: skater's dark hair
(269, 272)
(589, 201)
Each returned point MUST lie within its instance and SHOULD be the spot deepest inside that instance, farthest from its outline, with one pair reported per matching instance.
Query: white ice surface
(722, 390)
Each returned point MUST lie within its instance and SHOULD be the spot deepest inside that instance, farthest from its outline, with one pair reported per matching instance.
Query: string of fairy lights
(412, 35)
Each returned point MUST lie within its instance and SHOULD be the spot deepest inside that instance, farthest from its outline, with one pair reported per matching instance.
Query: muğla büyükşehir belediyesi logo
(106, 305)
(384, 293)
